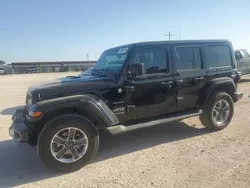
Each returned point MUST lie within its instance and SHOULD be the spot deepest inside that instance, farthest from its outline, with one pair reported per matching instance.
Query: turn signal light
(36, 114)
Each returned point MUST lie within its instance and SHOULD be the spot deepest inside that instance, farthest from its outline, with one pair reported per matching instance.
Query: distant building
(1, 64)
(8, 69)
(56, 66)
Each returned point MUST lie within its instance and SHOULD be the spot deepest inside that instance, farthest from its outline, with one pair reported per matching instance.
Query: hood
(68, 86)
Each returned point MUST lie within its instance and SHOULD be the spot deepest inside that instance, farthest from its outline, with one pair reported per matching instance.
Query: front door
(191, 77)
(152, 93)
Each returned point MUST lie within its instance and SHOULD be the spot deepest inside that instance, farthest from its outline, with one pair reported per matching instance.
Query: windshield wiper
(73, 77)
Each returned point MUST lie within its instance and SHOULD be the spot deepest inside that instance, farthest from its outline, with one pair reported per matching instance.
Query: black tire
(206, 117)
(51, 128)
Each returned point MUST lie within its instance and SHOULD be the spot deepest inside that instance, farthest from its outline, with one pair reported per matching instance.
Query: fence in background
(46, 67)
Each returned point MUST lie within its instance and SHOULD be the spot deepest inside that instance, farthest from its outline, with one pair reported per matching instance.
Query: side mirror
(237, 56)
(136, 69)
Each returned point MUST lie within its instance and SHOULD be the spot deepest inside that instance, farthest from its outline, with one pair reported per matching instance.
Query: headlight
(29, 101)
(32, 98)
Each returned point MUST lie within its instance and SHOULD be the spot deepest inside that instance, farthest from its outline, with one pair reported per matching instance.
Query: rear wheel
(218, 112)
(68, 143)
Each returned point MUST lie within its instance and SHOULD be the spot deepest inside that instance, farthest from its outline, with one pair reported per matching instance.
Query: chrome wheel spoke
(222, 117)
(217, 109)
(61, 153)
(216, 115)
(71, 133)
(74, 153)
(226, 114)
(59, 140)
(83, 141)
(226, 107)
(219, 104)
(219, 117)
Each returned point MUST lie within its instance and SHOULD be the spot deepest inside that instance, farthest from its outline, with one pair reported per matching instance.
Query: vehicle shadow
(10, 111)
(244, 80)
(20, 163)
(114, 146)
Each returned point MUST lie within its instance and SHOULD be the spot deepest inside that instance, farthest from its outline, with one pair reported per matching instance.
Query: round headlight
(29, 101)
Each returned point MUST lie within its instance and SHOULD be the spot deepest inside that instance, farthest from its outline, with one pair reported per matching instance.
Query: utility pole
(169, 35)
(87, 56)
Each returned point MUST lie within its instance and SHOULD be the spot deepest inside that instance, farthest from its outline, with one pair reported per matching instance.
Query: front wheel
(68, 143)
(218, 112)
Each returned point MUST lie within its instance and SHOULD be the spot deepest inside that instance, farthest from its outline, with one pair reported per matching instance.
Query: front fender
(90, 103)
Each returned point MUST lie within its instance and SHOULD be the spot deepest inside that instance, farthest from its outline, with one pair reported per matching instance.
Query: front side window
(218, 56)
(153, 58)
(188, 58)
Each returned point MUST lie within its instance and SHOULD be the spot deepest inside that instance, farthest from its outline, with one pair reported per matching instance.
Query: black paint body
(121, 100)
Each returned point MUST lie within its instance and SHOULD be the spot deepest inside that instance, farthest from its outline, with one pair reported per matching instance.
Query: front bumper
(238, 95)
(18, 129)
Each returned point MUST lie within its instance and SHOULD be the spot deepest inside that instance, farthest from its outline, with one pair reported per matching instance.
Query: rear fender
(223, 84)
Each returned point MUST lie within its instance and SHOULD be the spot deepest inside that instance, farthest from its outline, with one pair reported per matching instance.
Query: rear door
(190, 74)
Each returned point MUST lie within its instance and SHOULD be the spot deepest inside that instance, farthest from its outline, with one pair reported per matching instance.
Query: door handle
(167, 83)
(130, 89)
(199, 78)
(179, 82)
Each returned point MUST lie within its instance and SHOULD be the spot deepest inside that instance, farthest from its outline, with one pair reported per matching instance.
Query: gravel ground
(181, 154)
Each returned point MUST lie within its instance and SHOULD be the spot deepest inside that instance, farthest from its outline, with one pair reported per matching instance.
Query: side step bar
(118, 129)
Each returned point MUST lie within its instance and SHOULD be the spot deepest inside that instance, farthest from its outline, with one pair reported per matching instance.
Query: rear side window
(218, 56)
(188, 58)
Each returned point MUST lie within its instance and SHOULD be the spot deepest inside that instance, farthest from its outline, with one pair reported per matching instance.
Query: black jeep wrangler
(132, 86)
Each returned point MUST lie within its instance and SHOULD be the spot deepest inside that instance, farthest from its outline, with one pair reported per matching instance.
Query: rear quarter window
(218, 56)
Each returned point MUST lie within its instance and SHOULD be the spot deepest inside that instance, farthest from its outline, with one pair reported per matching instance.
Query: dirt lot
(181, 154)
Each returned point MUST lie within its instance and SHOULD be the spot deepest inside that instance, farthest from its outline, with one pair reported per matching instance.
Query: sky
(67, 30)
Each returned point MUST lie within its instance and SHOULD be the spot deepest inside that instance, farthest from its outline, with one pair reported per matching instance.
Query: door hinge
(130, 108)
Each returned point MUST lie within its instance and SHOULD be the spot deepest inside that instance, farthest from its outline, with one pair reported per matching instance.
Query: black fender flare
(81, 117)
(88, 102)
(225, 84)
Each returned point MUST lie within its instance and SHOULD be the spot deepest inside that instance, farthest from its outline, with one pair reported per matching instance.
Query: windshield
(87, 72)
(109, 64)
(111, 61)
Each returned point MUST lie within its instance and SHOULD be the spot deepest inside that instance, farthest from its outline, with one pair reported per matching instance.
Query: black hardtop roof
(240, 49)
(174, 42)
(182, 42)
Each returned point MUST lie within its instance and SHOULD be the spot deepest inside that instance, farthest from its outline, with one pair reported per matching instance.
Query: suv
(243, 61)
(132, 86)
